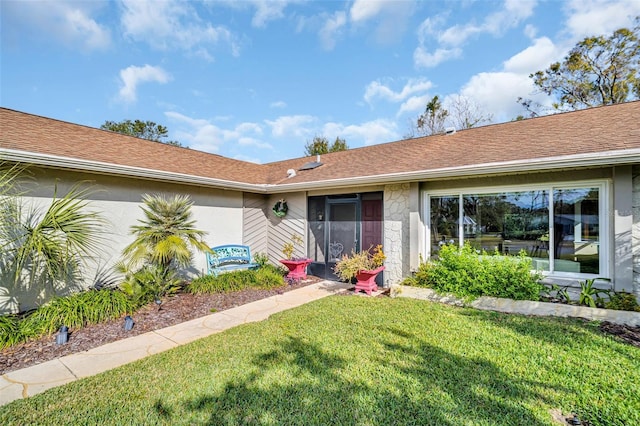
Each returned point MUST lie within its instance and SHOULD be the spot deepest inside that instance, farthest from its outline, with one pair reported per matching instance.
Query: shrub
(75, 311)
(265, 278)
(269, 277)
(149, 283)
(349, 266)
(261, 259)
(622, 301)
(469, 274)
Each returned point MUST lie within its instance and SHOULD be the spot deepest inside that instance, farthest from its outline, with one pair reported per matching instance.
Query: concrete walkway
(38, 378)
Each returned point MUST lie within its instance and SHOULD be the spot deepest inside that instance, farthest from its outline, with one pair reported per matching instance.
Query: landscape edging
(523, 307)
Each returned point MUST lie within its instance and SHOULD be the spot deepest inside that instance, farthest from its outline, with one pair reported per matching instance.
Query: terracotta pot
(297, 268)
(366, 280)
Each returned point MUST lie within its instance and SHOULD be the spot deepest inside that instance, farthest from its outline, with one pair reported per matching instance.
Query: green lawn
(364, 361)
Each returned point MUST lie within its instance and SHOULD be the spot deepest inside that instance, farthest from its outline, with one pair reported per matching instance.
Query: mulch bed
(628, 334)
(174, 310)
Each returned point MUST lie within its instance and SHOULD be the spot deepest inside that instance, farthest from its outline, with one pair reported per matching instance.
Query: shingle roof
(22, 131)
(592, 131)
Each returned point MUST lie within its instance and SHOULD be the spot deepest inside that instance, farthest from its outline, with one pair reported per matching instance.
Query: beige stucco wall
(217, 212)
(636, 229)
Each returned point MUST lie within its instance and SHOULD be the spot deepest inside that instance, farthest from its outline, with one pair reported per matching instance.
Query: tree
(320, 145)
(465, 114)
(597, 71)
(432, 120)
(140, 129)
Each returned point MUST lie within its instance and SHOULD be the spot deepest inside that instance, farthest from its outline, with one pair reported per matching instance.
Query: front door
(339, 225)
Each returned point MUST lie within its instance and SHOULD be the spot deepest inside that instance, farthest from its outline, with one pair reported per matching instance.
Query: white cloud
(497, 93)
(203, 135)
(369, 133)
(66, 22)
(363, 10)
(390, 18)
(376, 89)
(414, 104)
(599, 17)
(332, 29)
(278, 104)
(535, 57)
(424, 59)
(132, 76)
(297, 126)
(450, 39)
(172, 24)
(267, 10)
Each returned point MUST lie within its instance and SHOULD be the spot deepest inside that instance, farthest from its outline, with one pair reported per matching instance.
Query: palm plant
(164, 238)
(45, 251)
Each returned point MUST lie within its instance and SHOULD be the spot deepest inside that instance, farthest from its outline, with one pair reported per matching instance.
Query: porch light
(128, 323)
(63, 335)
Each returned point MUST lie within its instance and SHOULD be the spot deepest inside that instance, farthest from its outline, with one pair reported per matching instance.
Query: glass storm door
(343, 232)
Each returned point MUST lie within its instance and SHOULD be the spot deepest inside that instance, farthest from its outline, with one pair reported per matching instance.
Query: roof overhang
(75, 164)
(599, 159)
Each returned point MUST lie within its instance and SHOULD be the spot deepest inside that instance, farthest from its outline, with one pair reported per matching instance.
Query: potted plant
(297, 265)
(363, 267)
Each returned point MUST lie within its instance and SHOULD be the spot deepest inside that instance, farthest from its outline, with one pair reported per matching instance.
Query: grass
(364, 361)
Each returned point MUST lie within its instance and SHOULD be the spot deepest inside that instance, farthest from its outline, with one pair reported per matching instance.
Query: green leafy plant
(289, 247)
(466, 273)
(349, 265)
(163, 243)
(76, 311)
(45, 251)
(266, 278)
(622, 301)
(151, 282)
(589, 293)
(557, 293)
(261, 259)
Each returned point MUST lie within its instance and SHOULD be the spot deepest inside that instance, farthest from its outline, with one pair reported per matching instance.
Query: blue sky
(256, 80)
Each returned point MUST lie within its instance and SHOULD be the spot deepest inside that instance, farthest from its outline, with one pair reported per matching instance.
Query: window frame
(604, 203)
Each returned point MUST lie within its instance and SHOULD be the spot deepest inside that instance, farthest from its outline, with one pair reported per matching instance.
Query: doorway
(339, 225)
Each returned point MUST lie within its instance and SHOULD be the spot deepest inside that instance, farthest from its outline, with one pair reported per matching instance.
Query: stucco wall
(217, 212)
(636, 230)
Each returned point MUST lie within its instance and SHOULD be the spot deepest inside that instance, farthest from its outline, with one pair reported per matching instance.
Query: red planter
(297, 268)
(366, 280)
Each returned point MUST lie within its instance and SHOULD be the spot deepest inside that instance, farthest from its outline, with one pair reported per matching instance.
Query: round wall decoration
(280, 208)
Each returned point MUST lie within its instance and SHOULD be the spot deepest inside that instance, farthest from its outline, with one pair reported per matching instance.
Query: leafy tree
(320, 145)
(140, 129)
(599, 70)
(44, 251)
(432, 120)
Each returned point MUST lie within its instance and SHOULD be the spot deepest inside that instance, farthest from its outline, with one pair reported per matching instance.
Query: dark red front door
(371, 223)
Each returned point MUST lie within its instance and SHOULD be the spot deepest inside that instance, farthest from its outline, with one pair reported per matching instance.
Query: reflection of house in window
(470, 226)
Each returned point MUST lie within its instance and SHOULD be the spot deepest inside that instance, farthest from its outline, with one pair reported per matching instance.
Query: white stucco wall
(217, 212)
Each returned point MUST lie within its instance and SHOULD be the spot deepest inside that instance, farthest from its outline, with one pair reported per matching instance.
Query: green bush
(149, 283)
(468, 274)
(622, 301)
(75, 311)
(10, 331)
(267, 277)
